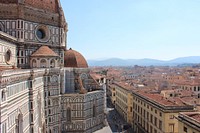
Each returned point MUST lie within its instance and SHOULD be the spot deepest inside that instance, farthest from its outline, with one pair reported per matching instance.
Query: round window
(40, 34)
(8, 56)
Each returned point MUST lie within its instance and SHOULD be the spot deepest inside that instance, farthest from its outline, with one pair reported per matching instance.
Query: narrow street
(115, 121)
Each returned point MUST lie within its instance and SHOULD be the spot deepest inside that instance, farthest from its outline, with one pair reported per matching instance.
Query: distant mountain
(190, 59)
(144, 62)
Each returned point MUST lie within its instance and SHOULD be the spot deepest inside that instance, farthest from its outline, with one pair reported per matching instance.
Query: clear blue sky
(158, 29)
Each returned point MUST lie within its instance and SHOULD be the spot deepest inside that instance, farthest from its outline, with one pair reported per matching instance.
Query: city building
(111, 93)
(154, 113)
(124, 100)
(189, 122)
(160, 105)
(44, 87)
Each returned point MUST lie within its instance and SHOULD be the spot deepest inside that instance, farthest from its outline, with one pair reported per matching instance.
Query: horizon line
(107, 58)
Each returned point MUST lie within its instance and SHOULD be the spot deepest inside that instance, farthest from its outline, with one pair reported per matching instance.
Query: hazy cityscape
(99, 66)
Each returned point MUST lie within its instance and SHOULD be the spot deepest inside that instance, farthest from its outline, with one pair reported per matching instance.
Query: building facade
(43, 86)
(124, 101)
(155, 114)
(189, 122)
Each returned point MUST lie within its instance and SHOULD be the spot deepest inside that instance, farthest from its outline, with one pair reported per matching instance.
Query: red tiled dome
(47, 12)
(48, 5)
(74, 59)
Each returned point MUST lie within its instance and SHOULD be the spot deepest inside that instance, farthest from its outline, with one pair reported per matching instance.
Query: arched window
(94, 110)
(3, 96)
(1, 27)
(68, 114)
(43, 63)
(52, 63)
(49, 102)
(34, 63)
(19, 124)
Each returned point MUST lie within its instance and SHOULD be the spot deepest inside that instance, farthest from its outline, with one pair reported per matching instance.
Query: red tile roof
(162, 100)
(74, 59)
(44, 51)
(195, 116)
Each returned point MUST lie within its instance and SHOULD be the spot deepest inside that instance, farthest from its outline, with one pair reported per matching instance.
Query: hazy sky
(159, 29)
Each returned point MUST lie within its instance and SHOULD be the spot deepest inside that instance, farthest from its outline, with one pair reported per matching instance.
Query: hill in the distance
(144, 62)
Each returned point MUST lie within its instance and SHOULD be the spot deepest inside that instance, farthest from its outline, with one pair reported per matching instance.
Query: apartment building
(111, 93)
(189, 122)
(124, 101)
(153, 113)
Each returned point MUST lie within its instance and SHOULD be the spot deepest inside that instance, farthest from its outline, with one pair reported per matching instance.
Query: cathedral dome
(40, 11)
(47, 5)
(74, 59)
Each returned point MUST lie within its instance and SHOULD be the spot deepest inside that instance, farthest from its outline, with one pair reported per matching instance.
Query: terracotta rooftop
(187, 82)
(97, 76)
(44, 51)
(124, 85)
(195, 116)
(162, 100)
(74, 59)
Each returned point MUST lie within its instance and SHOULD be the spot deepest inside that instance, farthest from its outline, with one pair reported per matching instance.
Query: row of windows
(122, 96)
(31, 36)
(14, 89)
(52, 93)
(121, 104)
(193, 88)
(10, 28)
(141, 110)
(52, 111)
(150, 118)
(141, 103)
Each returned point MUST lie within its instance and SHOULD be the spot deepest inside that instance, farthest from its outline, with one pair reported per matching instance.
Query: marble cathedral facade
(44, 88)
